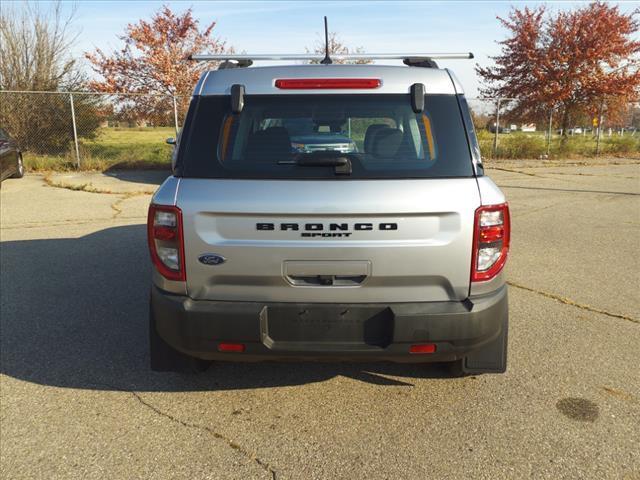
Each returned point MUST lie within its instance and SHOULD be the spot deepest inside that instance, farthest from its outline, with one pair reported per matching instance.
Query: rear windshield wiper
(336, 159)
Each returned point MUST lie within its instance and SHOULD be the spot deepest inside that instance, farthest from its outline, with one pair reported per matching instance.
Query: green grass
(122, 148)
(519, 145)
(145, 148)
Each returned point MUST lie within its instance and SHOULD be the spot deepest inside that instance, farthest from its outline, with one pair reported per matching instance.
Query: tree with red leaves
(569, 62)
(154, 58)
(336, 47)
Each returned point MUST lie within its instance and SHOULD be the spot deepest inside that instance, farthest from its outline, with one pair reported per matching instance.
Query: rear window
(324, 136)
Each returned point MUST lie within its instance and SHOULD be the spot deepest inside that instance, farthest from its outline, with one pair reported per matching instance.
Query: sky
(290, 26)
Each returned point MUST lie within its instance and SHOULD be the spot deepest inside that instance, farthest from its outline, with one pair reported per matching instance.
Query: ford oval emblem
(211, 259)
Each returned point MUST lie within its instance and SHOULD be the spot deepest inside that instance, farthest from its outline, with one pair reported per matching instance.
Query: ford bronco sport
(389, 247)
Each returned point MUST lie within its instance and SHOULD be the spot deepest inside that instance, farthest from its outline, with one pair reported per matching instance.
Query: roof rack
(350, 56)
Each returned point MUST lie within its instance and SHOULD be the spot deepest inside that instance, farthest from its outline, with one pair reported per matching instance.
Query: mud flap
(492, 358)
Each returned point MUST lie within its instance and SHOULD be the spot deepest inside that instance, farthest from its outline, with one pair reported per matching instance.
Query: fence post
(175, 114)
(599, 127)
(549, 133)
(75, 131)
(495, 137)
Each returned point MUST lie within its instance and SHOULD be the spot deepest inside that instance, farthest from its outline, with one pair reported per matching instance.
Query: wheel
(19, 168)
(164, 358)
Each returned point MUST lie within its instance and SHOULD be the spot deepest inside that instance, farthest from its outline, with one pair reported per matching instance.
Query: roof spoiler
(414, 57)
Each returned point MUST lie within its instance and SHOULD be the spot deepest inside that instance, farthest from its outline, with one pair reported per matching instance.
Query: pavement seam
(573, 303)
(502, 169)
(19, 226)
(239, 448)
(89, 188)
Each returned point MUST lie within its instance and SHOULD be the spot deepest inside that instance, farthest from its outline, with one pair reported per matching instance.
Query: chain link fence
(502, 133)
(99, 130)
(92, 130)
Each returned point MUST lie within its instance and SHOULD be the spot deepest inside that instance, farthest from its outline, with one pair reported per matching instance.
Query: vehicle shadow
(155, 177)
(74, 314)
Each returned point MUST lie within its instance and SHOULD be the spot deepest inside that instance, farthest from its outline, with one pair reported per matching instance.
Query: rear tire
(492, 358)
(164, 358)
(19, 168)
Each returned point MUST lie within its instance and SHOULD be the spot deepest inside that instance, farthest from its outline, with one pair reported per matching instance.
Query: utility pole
(495, 138)
(599, 127)
(75, 130)
(549, 133)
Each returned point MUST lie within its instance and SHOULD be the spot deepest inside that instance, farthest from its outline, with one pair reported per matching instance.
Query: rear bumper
(371, 332)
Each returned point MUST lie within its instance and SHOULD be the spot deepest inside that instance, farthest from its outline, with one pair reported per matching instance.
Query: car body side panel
(490, 194)
(167, 192)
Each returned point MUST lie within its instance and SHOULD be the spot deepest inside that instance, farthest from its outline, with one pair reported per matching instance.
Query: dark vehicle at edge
(11, 165)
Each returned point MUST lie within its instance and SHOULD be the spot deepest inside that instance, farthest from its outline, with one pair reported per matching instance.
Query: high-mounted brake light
(327, 83)
(166, 245)
(491, 234)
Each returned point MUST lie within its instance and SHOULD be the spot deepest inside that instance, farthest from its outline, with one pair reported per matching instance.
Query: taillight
(166, 245)
(491, 233)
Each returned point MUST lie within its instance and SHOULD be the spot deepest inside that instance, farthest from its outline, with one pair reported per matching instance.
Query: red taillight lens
(164, 233)
(423, 348)
(166, 245)
(231, 347)
(327, 83)
(491, 234)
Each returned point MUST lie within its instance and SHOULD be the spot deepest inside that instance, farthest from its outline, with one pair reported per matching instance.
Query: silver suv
(390, 250)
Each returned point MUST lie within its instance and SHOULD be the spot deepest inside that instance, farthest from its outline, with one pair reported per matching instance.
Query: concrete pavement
(78, 401)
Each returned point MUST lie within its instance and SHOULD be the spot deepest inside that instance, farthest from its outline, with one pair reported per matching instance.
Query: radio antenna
(326, 60)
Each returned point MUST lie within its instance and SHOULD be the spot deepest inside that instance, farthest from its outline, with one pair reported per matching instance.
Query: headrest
(386, 142)
(370, 135)
(270, 144)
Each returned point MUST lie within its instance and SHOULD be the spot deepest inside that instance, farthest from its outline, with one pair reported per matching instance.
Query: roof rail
(414, 57)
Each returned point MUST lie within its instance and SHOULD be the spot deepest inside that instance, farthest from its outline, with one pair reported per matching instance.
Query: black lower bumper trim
(280, 331)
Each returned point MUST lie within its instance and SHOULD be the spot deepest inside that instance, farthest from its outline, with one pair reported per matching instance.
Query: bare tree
(35, 54)
(336, 47)
(35, 47)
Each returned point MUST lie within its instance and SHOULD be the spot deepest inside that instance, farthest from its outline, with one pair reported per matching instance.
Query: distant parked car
(306, 138)
(492, 129)
(10, 158)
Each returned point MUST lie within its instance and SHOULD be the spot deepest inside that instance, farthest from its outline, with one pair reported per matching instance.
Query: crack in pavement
(502, 169)
(125, 196)
(239, 448)
(573, 303)
(89, 188)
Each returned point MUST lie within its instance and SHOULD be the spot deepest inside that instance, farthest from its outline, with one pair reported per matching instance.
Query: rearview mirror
(170, 141)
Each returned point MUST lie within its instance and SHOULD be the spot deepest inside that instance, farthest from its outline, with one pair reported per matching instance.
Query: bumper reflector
(423, 348)
(231, 347)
